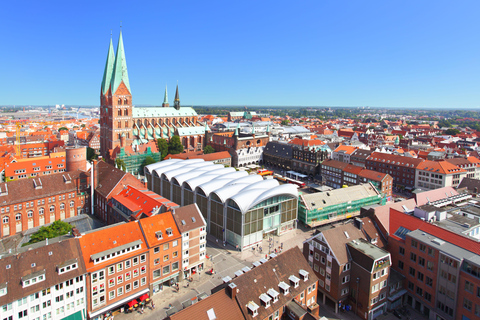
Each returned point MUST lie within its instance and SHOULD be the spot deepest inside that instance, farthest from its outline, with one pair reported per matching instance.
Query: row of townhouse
(95, 273)
(337, 174)
(410, 173)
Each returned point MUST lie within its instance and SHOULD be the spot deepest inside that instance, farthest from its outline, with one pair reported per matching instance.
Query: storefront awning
(143, 297)
(132, 303)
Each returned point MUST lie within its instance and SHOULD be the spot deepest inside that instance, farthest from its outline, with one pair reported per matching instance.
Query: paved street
(226, 260)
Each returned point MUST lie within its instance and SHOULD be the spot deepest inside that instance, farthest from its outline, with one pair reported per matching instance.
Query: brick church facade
(124, 125)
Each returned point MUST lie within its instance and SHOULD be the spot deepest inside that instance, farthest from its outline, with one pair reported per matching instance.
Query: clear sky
(386, 53)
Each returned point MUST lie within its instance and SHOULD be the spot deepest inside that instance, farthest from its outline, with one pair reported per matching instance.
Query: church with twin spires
(126, 129)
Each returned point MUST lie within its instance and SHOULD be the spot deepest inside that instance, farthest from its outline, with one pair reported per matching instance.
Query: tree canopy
(208, 149)
(63, 128)
(56, 229)
(91, 154)
(120, 164)
(148, 160)
(175, 145)
(162, 147)
(452, 131)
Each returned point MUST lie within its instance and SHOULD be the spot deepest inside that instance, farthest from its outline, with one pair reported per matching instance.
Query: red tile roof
(160, 222)
(399, 219)
(443, 167)
(110, 238)
(142, 201)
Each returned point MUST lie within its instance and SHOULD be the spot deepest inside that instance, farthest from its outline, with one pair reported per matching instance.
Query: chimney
(75, 232)
(232, 289)
(358, 223)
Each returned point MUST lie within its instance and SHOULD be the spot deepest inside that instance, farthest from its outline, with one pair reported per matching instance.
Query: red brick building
(28, 203)
(401, 168)
(109, 181)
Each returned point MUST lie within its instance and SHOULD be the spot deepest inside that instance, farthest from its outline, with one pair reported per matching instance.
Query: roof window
(294, 280)
(284, 287)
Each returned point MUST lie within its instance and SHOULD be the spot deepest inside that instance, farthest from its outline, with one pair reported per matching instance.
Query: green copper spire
(165, 99)
(107, 74)
(176, 102)
(120, 68)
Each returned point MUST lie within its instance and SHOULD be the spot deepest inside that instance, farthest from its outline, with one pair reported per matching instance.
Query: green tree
(91, 154)
(452, 131)
(63, 128)
(162, 147)
(148, 160)
(208, 149)
(56, 229)
(175, 145)
(120, 164)
(285, 122)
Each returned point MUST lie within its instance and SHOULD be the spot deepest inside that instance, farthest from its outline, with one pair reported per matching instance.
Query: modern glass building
(239, 208)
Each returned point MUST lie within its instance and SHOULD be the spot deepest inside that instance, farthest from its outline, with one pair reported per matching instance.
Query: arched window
(120, 101)
(41, 211)
(5, 219)
(18, 217)
(52, 208)
(30, 214)
(119, 112)
(62, 206)
(125, 101)
(72, 203)
(126, 112)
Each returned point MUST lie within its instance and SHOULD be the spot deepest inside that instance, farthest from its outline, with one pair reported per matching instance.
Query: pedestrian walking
(153, 305)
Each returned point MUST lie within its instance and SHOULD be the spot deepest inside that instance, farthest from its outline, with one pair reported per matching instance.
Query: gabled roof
(108, 178)
(337, 240)
(142, 201)
(395, 159)
(268, 275)
(109, 238)
(442, 167)
(434, 195)
(159, 223)
(188, 218)
(217, 306)
(345, 149)
(35, 260)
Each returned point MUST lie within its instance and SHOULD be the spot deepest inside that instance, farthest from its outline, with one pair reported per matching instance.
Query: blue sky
(410, 54)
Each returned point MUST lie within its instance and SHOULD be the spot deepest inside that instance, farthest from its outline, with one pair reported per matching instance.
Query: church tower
(116, 119)
(165, 103)
(176, 102)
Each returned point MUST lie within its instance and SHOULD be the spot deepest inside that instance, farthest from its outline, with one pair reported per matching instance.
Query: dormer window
(284, 287)
(3, 289)
(303, 274)
(33, 278)
(159, 235)
(169, 232)
(67, 266)
(265, 300)
(294, 280)
(274, 294)
(253, 308)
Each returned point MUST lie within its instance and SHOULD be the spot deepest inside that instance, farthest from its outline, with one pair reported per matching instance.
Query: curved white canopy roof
(194, 182)
(251, 198)
(219, 182)
(251, 178)
(187, 168)
(160, 164)
(264, 184)
(181, 178)
(228, 191)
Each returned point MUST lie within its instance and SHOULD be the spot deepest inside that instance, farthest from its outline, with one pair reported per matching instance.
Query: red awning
(144, 297)
(132, 303)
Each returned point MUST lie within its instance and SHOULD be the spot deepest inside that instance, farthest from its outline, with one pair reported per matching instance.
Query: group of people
(142, 310)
